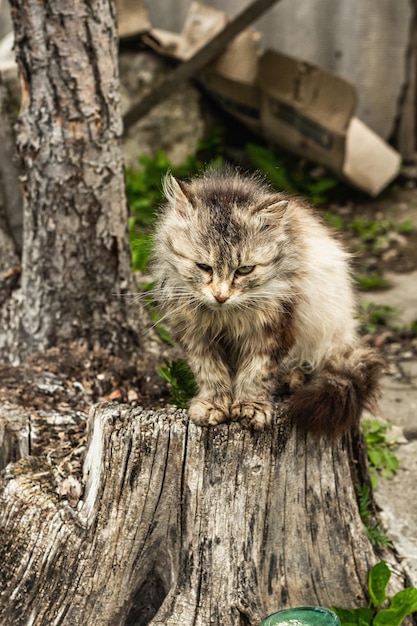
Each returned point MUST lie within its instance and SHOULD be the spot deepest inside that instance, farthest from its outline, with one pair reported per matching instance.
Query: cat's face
(225, 246)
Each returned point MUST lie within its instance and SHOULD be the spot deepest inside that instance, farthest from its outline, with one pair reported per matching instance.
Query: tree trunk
(183, 525)
(10, 192)
(76, 255)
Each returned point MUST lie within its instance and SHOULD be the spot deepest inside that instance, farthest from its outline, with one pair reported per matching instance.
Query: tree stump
(179, 524)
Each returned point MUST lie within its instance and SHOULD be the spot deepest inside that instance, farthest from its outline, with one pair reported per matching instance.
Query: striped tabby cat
(257, 291)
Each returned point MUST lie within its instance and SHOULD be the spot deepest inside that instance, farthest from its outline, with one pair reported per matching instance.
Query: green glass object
(303, 616)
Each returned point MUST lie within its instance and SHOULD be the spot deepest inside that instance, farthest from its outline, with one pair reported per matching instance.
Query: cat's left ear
(177, 194)
(271, 212)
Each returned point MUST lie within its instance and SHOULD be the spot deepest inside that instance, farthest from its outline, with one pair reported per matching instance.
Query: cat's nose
(221, 291)
(221, 297)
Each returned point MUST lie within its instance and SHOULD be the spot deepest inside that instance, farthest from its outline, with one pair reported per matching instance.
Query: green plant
(382, 460)
(372, 527)
(335, 220)
(402, 604)
(141, 244)
(183, 387)
(284, 173)
(374, 233)
(144, 194)
(374, 317)
(372, 281)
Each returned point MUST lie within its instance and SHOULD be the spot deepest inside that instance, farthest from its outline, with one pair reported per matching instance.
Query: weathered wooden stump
(183, 525)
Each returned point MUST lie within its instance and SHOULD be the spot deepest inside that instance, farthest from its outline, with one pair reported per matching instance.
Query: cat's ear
(178, 195)
(271, 212)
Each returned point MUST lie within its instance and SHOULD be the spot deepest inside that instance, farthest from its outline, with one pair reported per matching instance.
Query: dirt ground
(396, 205)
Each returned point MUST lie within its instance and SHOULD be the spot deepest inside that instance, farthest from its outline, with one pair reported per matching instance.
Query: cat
(257, 291)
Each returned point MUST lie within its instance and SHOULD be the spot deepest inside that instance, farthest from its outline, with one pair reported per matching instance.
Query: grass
(375, 317)
(372, 527)
(380, 450)
(285, 173)
(372, 281)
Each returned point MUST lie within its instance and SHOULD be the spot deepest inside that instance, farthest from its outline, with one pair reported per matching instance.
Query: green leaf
(268, 164)
(406, 228)
(402, 604)
(374, 316)
(141, 244)
(406, 598)
(375, 456)
(377, 583)
(335, 220)
(389, 617)
(354, 617)
(372, 281)
(164, 334)
(323, 185)
(376, 537)
(183, 387)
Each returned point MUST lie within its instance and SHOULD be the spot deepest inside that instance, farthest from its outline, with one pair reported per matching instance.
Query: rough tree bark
(10, 192)
(184, 525)
(76, 255)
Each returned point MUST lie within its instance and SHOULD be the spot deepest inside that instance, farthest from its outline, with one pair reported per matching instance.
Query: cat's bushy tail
(331, 402)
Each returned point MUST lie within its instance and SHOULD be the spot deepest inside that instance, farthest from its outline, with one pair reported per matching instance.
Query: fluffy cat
(258, 293)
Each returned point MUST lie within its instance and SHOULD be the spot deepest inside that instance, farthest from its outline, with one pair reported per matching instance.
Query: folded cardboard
(201, 24)
(242, 100)
(311, 112)
(232, 80)
(292, 103)
(369, 162)
(132, 17)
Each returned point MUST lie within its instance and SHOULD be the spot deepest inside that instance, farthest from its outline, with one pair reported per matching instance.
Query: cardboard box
(232, 80)
(242, 100)
(311, 112)
(292, 103)
(369, 162)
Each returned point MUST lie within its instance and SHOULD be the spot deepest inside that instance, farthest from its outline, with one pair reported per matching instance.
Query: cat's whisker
(168, 315)
(154, 294)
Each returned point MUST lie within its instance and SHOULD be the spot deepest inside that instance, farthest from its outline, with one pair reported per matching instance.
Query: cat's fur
(286, 324)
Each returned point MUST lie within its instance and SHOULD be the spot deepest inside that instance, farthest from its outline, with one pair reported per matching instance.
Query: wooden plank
(201, 58)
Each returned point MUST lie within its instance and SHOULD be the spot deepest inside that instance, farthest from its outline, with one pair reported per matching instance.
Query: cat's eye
(204, 267)
(244, 270)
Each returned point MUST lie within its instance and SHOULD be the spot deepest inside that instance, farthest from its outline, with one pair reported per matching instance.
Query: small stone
(394, 348)
(132, 395)
(382, 339)
(115, 395)
(70, 489)
(397, 238)
(390, 254)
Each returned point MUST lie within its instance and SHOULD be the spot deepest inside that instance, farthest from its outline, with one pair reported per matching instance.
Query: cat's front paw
(207, 413)
(257, 415)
